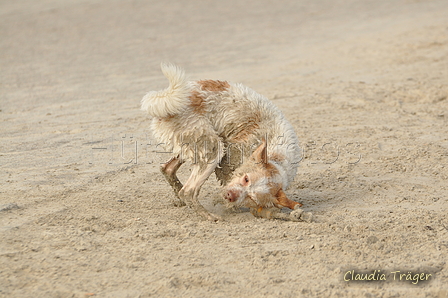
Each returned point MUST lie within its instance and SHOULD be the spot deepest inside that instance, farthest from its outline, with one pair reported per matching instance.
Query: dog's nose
(232, 195)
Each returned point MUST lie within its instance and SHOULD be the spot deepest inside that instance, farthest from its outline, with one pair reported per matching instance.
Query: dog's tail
(172, 100)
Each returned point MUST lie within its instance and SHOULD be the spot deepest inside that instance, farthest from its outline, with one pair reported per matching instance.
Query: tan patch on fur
(167, 118)
(277, 157)
(282, 200)
(197, 102)
(274, 188)
(247, 128)
(212, 85)
(244, 134)
(270, 170)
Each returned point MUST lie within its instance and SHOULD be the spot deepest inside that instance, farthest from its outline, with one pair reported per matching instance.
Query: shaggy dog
(228, 129)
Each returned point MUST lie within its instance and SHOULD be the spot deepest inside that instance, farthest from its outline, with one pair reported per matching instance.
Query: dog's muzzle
(232, 195)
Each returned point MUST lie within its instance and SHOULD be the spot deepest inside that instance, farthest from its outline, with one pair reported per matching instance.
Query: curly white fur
(200, 120)
(172, 100)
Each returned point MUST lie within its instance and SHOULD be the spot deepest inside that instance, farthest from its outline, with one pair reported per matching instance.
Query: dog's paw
(299, 215)
(178, 203)
(307, 216)
(296, 214)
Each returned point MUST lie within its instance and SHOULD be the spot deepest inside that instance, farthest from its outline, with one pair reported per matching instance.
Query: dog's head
(256, 183)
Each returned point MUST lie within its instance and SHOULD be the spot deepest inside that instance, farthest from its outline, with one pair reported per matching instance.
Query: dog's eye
(245, 180)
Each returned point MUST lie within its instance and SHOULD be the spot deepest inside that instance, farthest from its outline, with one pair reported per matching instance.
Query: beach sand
(85, 212)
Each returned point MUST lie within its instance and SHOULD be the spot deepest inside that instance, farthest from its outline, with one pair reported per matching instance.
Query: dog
(228, 129)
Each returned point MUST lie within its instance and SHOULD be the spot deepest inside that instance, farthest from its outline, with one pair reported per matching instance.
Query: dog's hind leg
(190, 191)
(169, 170)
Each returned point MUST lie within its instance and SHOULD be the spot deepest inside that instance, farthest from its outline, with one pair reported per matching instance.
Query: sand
(85, 212)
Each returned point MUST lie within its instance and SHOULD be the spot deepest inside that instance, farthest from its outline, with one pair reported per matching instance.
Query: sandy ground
(84, 211)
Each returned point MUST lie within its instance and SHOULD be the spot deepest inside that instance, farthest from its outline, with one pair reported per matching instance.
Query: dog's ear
(260, 154)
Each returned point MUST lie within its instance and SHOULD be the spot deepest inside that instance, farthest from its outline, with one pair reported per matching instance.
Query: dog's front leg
(274, 213)
(190, 191)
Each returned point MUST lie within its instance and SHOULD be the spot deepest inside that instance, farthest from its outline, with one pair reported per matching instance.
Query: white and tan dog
(215, 125)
